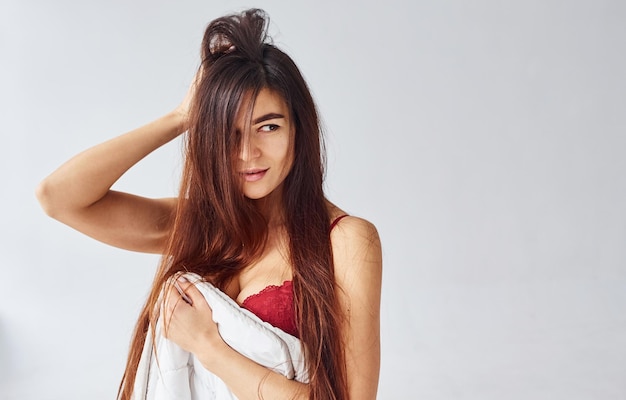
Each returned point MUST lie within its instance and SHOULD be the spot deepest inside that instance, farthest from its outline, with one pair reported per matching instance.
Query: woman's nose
(249, 149)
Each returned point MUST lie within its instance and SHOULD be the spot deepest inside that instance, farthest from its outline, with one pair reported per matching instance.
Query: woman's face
(267, 147)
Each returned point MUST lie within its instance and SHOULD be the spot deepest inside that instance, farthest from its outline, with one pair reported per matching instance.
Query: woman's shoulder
(352, 226)
(357, 256)
(345, 224)
(353, 238)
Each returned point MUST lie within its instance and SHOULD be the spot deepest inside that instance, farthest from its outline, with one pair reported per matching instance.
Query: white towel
(180, 376)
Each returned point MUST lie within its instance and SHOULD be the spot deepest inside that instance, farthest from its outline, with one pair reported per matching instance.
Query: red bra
(274, 304)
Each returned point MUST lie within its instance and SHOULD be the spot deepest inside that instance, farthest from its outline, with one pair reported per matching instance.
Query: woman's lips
(253, 175)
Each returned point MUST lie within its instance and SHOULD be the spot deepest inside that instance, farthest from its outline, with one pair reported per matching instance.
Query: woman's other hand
(189, 322)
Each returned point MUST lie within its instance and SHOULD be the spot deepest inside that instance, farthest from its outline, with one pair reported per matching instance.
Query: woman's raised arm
(79, 192)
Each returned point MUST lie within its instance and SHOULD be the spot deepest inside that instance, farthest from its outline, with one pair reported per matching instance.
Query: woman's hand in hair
(183, 109)
(188, 319)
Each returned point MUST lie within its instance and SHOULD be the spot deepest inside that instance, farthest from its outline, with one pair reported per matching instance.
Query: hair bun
(244, 34)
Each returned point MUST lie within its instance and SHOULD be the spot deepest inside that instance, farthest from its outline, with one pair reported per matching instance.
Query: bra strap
(336, 221)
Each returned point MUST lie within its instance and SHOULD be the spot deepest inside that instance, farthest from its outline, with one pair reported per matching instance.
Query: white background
(485, 139)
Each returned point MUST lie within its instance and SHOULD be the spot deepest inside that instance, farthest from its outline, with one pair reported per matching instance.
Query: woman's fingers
(190, 293)
(181, 290)
(184, 107)
(187, 317)
(185, 308)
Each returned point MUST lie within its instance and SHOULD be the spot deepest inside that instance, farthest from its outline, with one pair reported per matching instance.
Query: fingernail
(182, 279)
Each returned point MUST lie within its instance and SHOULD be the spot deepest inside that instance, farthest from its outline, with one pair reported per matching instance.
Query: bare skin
(79, 194)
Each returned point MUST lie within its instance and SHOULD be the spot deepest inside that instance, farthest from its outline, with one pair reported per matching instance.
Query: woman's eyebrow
(267, 117)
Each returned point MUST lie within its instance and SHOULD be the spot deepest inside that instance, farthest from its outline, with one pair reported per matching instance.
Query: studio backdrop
(486, 140)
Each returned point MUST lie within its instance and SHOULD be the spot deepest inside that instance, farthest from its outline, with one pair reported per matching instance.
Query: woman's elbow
(48, 199)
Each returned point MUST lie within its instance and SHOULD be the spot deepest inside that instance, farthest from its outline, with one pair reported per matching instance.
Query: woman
(251, 218)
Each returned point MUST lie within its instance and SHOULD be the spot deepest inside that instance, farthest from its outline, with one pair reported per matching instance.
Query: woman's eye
(268, 128)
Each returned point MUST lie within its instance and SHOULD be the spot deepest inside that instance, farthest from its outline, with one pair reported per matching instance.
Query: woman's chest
(265, 288)
(271, 269)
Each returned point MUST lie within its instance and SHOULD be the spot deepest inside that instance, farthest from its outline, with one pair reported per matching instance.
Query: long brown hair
(217, 231)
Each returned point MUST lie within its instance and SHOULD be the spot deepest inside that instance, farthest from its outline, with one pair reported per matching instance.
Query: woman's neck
(271, 207)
